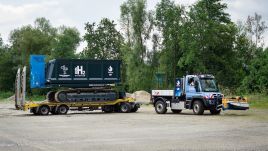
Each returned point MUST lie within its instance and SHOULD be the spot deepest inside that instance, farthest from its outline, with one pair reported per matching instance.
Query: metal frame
(17, 89)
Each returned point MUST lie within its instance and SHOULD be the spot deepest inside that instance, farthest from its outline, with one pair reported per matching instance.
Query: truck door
(190, 87)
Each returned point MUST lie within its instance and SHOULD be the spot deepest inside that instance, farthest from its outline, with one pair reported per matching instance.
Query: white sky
(75, 13)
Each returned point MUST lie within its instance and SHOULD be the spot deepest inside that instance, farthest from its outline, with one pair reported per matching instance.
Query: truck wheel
(215, 112)
(43, 110)
(125, 107)
(62, 109)
(176, 111)
(160, 107)
(135, 109)
(198, 108)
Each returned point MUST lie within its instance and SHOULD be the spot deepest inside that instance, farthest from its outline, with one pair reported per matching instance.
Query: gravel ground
(144, 130)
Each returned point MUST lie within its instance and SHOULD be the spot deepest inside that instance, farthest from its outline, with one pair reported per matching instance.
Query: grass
(5, 95)
(36, 98)
(259, 101)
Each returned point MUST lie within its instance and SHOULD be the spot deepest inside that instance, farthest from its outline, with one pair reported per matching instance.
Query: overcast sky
(75, 13)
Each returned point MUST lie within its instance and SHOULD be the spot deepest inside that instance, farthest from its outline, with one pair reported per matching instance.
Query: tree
(32, 40)
(137, 21)
(208, 40)
(255, 29)
(169, 21)
(1, 42)
(7, 70)
(103, 41)
(67, 40)
(43, 39)
(256, 80)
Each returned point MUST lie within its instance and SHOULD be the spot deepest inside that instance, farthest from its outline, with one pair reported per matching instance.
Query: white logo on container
(79, 71)
(110, 71)
(64, 69)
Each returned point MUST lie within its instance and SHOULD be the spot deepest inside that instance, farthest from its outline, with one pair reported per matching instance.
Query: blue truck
(197, 93)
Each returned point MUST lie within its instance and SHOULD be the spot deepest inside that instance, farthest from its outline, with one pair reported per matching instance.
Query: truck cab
(195, 92)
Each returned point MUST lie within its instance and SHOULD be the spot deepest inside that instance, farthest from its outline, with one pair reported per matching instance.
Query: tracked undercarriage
(84, 95)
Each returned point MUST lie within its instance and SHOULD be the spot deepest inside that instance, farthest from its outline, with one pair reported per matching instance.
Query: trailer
(83, 89)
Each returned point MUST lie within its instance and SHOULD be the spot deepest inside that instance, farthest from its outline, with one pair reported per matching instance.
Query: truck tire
(198, 108)
(43, 110)
(62, 109)
(160, 107)
(125, 107)
(176, 111)
(215, 112)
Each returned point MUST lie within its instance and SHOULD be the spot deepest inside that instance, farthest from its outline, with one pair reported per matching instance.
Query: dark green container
(78, 73)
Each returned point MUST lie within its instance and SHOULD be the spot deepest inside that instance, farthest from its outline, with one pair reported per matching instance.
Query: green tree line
(155, 46)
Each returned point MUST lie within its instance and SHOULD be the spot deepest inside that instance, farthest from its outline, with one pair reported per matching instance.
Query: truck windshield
(208, 85)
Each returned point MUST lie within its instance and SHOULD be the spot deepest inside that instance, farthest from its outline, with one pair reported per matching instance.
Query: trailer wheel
(34, 111)
(125, 107)
(215, 111)
(54, 110)
(135, 108)
(43, 110)
(176, 111)
(161, 107)
(198, 108)
(108, 109)
(62, 109)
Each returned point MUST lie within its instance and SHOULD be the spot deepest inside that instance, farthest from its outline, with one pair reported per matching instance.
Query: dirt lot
(144, 130)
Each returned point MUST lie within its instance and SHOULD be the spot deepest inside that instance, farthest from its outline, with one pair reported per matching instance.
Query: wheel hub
(44, 110)
(62, 110)
(196, 108)
(124, 108)
(159, 107)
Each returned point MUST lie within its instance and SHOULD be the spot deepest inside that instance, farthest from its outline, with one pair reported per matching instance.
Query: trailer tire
(62, 109)
(54, 110)
(34, 111)
(43, 110)
(108, 109)
(198, 108)
(176, 111)
(215, 111)
(160, 107)
(135, 108)
(125, 107)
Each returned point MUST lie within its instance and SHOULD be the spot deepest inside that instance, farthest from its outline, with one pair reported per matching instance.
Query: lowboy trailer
(91, 95)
